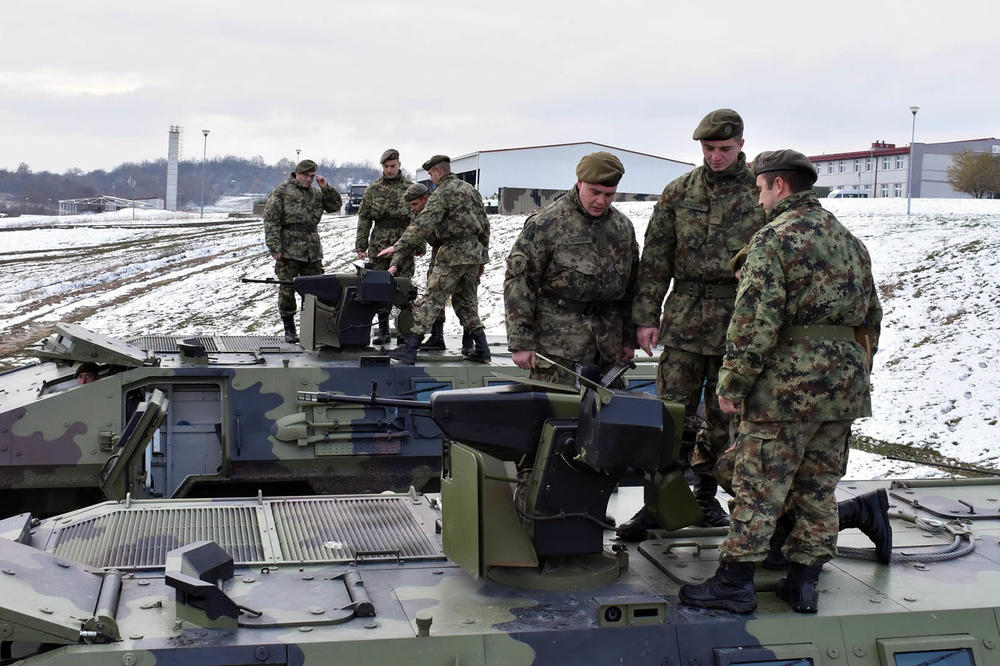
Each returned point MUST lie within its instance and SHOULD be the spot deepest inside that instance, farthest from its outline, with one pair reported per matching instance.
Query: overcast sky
(97, 83)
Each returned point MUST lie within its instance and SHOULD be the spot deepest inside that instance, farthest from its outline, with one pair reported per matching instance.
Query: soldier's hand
(321, 181)
(387, 251)
(628, 353)
(482, 267)
(649, 337)
(276, 256)
(728, 406)
(524, 359)
(392, 269)
(362, 254)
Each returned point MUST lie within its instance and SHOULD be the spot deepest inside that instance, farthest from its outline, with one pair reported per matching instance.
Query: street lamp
(204, 152)
(909, 177)
(297, 151)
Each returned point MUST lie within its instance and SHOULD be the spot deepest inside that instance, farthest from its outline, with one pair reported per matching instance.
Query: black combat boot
(467, 345)
(800, 587)
(731, 589)
(635, 528)
(382, 337)
(289, 322)
(704, 493)
(870, 514)
(436, 341)
(775, 558)
(407, 354)
(481, 351)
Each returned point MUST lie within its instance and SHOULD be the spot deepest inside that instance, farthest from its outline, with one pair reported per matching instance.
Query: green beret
(88, 367)
(437, 159)
(719, 125)
(389, 154)
(305, 166)
(783, 160)
(600, 168)
(736, 263)
(414, 192)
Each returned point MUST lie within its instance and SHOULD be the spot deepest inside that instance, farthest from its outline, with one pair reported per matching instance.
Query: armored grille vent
(137, 538)
(223, 343)
(350, 528)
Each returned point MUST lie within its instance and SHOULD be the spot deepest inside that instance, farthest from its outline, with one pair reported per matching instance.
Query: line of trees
(25, 191)
(977, 174)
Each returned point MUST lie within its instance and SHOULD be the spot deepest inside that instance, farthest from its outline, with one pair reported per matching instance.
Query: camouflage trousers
(286, 269)
(686, 377)
(780, 467)
(458, 282)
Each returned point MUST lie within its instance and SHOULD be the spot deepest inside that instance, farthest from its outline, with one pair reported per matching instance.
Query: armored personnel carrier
(511, 565)
(219, 415)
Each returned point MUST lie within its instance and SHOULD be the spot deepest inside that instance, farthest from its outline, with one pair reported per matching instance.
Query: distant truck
(848, 193)
(355, 193)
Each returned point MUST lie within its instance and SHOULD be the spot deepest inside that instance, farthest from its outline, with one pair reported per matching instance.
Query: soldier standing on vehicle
(291, 218)
(453, 222)
(700, 222)
(796, 368)
(381, 221)
(571, 276)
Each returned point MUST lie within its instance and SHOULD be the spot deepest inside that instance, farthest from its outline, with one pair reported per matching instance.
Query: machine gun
(338, 308)
(528, 469)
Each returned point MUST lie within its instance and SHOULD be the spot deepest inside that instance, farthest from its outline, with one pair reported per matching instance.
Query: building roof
(572, 143)
(859, 153)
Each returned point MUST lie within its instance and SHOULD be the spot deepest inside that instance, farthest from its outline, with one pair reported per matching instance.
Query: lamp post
(204, 152)
(909, 177)
(297, 151)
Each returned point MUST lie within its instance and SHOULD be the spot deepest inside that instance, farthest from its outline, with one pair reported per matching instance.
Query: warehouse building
(524, 180)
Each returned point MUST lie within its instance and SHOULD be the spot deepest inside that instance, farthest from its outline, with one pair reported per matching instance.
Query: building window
(840, 168)
(899, 161)
(886, 161)
(857, 166)
(897, 190)
(829, 167)
(884, 190)
(868, 164)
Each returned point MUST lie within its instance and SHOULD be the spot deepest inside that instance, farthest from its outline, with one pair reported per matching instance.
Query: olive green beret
(736, 263)
(783, 160)
(88, 367)
(600, 168)
(414, 192)
(719, 125)
(437, 159)
(389, 154)
(305, 166)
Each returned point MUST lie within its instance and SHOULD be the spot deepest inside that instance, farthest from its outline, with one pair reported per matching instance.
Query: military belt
(393, 222)
(697, 289)
(298, 227)
(590, 308)
(817, 332)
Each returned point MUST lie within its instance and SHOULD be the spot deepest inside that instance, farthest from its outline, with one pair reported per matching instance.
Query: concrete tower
(173, 158)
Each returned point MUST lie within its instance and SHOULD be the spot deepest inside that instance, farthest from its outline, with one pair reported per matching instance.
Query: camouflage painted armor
(382, 219)
(570, 282)
(291, 217)
(454, 224)
(792, 361)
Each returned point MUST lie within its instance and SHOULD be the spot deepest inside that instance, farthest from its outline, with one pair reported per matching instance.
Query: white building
(531, 173)
(883, 169)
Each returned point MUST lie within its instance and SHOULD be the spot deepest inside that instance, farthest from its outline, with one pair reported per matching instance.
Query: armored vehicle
(355, 194)
(219, 415)
(510, 565)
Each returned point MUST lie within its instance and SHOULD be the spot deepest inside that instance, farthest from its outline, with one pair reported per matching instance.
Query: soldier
(453, 222)
(571, 276)
(290, 220)
(384, 208)
(796, 368)
(702, 219)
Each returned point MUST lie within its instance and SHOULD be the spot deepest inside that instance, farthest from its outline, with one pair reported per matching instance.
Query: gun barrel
(321, 396)
(285, 283)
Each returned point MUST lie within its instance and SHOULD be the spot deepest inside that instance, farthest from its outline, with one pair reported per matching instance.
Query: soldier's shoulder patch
(516, 264)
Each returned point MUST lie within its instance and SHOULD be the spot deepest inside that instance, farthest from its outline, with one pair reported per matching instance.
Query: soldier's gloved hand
(648, 337)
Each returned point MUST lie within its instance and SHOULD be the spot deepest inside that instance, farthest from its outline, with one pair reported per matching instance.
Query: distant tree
(977, 174)
(23, 168)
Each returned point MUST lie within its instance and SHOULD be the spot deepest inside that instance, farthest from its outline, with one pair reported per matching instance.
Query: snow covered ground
(936, 376)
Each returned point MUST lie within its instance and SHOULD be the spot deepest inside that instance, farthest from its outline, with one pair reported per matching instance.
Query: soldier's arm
(273, 213)
(331, 199)
(629, 337)
(757, 319)
(364, 223)
(656, 266)
(414, 239)
(525, 266)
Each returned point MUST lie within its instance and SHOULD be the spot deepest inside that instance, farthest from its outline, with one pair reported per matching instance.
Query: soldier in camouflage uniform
(702, 219)
(571, 276)
(454, 223)
(291, 218)
(382, 219)
(797, 370)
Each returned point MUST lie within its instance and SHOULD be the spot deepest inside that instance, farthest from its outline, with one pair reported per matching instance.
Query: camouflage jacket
(700, 222)
(453, 221)
(383, 205)
(802, 268)
(564, 253)
(291, 217)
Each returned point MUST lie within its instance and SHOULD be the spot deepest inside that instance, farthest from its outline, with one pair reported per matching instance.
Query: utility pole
(204, 152)
(909, 178)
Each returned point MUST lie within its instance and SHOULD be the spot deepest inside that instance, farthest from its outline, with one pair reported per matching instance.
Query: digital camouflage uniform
(800, 388)
(291, 218)
(569, 286)
(382, 219)
(454, 223)
(700, 222)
